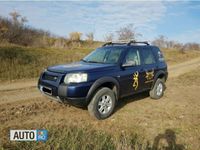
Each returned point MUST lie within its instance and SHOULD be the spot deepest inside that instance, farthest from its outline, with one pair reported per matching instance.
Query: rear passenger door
(148, 61)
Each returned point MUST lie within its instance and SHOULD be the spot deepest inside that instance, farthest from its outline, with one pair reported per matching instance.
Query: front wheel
(158, 89)
(102, 104)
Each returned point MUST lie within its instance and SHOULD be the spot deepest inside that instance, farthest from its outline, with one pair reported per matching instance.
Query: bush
(16, 32)
(75, 36)
(90, 37)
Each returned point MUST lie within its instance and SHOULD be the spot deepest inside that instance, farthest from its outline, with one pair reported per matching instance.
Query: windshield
(104, 55)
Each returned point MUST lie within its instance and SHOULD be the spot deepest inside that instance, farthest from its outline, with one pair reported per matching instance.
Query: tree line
(163, 42)
(15, 30)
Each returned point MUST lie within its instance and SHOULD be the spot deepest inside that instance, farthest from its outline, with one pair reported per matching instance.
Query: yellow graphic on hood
(135, 80)
(149, 75)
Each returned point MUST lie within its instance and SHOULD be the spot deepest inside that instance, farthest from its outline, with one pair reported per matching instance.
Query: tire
(102, 104)
(158, 89)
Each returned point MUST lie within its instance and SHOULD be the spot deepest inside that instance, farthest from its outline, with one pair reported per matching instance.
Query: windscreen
(104, 55)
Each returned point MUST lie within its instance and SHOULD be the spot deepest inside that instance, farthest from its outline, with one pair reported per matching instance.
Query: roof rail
(137, 42)
(122, 42)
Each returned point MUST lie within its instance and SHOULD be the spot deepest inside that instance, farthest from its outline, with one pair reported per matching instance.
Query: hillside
(18, 62)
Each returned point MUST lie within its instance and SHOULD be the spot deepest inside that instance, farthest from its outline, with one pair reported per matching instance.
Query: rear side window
(159, 54)
(148, 56)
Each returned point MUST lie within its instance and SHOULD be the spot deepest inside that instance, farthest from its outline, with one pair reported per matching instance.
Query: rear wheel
(102, 104)
(158, 89)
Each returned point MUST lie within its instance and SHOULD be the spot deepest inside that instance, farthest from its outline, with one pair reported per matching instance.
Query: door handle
(150, 70)
(142, 70)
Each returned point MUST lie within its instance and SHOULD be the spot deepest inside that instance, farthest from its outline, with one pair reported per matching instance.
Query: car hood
(80, 67)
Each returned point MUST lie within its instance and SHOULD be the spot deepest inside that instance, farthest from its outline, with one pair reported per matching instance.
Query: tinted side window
(148, 57)
(113, 56)
(132, 57)
(158, 54)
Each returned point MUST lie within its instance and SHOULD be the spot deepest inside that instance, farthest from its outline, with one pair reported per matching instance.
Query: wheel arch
(109, 82)
(160, 74)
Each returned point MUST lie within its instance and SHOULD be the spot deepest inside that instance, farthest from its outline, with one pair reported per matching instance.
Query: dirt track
(21, 102)
(26, 89)
(185, 67)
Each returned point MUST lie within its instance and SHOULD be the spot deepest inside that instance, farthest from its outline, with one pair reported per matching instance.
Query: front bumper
(74, 94)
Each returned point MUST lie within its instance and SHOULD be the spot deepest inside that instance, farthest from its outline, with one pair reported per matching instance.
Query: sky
(177, 20)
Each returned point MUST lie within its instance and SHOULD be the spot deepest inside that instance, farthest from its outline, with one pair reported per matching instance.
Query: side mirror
(129, 64)
(126, 65)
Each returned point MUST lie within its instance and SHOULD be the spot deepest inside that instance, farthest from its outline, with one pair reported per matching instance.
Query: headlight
(75, 78)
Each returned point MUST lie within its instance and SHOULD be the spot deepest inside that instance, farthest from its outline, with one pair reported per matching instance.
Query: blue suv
(107, 74)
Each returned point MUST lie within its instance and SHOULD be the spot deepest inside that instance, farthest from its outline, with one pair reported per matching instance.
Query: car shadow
(124, 101)
(170, 139)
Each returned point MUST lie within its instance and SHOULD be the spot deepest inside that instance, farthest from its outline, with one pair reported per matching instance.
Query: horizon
(176, 20)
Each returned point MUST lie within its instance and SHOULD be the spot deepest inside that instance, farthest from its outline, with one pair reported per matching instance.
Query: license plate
(46, 90)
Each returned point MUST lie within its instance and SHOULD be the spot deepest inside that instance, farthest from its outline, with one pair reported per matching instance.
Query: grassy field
(139, 123)
(71, 137)
(174, 56)
(25, 62)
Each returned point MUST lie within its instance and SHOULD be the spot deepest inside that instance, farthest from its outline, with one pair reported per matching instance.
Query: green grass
(70, 137)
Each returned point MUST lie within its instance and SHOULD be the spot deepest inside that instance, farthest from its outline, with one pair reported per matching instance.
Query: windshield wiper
(90, 61)
(84, 60)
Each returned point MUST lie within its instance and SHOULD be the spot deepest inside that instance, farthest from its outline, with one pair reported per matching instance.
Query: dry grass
(20, 62)
(169, 123)
(69, 137)
(138, 123)
(25, 62)
(174, 56)
(190, 78)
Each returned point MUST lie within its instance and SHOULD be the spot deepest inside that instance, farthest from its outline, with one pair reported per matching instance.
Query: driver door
(131, 75)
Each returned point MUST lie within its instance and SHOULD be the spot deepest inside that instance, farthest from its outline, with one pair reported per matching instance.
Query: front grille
(50, 77)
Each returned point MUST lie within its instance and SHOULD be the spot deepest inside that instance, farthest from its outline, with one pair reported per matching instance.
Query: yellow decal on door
(149, 76)
(135, 80)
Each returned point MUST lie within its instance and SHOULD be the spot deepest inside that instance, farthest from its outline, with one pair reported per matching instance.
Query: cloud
(110, 16)
(100, 17)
